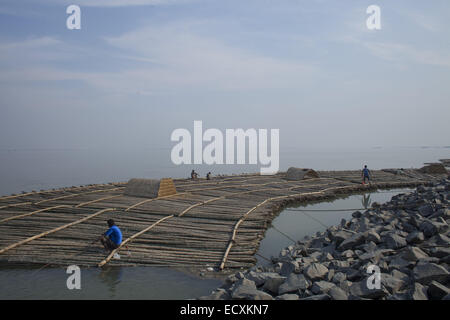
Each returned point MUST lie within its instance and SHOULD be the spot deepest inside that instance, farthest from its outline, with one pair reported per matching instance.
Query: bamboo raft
(217, 223)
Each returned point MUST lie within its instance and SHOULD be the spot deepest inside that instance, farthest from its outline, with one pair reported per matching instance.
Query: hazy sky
(138, 69)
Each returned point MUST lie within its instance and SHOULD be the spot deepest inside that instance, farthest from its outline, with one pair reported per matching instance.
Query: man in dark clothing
(208, 176)
(366, 174)
(112, 238)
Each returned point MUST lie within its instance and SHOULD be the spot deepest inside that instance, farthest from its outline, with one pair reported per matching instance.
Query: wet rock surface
(406, 240)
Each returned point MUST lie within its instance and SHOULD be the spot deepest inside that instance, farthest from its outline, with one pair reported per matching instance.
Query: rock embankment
(406, 240)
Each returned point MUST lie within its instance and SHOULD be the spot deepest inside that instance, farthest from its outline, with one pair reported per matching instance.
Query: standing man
(365, 174)
(112, 238)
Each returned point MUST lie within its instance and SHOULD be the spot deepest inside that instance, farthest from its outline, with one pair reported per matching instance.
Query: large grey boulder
(437, 290)
(394, 241)
(414, 254)
(426, 210)
(340, 264)
(273, 283)
(353, 274)
(345, 285)
(243, 282)
(415, 237)
(340, 236)
(353, 241)
(246, 290)
(339, 277)
(337, 293)
(261, 277)
(320, 287)
(440, 239)
(325, 256)
(399, 263)
(440, 252)
(429, 228)
(375, 256)
(347, 254)
(316, 271)
(373, 236)
(424, 273)
(360, 289)
(293, 283)
(392, 284)
(418, 292)
(400, 275)
(289, 267)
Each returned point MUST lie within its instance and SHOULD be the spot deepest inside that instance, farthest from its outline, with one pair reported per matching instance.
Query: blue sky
(139, 69)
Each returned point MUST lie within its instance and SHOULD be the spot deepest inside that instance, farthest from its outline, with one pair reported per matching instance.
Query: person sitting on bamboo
(112, 238)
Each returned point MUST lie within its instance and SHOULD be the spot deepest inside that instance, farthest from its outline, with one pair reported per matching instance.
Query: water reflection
(365, 201)
(111, 282)
(111, 277)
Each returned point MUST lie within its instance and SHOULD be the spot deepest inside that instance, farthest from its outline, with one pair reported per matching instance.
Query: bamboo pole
(199, 204)
(97, 200)
(15, 205)
(108, 258)
(34, 212)
(50, 191)
(200, 183)
(252, 185)
(78, 194)
(153, 199)
(54, 230)
(244, 192)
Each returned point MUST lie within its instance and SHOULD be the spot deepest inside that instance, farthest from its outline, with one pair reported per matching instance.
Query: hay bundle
(166, 188)
(433, 168)
(146, 188)
(300, 174)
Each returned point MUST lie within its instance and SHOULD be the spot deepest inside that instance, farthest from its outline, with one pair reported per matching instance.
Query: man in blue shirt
(366, 174)
(112, 238)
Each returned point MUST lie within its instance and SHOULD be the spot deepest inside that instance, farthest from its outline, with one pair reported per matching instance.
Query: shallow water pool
(294, 223)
